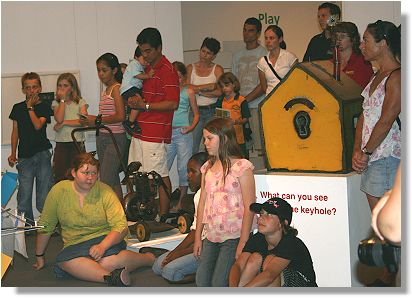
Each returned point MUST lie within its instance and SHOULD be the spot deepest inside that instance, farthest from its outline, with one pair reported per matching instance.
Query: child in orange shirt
(237, 106)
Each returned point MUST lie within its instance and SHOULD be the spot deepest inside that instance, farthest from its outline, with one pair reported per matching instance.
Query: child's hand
(39, 263)
(61, 94)
(197, 248)
(32, 100)
(90, 120)
(12, 160)
(136, 102)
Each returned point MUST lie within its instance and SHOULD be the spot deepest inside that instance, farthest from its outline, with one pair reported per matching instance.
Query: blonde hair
(76, 95)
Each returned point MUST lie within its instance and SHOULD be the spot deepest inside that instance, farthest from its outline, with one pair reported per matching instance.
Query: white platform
(330, 229)
(166, 239)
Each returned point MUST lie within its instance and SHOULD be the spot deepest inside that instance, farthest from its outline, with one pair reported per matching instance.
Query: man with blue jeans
(34, 149)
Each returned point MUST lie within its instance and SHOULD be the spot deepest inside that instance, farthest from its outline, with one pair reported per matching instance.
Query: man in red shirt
(161, 96)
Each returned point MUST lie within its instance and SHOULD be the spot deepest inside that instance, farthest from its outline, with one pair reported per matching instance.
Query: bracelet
(40, 255)
(62, 100)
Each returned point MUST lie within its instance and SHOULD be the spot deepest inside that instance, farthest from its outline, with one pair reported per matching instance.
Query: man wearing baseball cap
(274, 256)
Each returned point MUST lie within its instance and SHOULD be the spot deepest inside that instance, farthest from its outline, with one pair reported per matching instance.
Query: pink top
(372, 109)
(107, 108)
(223, 212)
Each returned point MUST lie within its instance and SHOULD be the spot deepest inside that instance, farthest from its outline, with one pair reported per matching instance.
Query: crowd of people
(160, 111)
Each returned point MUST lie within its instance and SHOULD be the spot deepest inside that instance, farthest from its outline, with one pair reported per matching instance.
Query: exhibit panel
(331, 215)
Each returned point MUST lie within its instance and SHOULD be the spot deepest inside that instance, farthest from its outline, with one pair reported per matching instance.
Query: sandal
(114, 278)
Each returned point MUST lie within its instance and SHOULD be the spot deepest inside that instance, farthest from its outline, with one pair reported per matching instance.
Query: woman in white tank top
(202, 77)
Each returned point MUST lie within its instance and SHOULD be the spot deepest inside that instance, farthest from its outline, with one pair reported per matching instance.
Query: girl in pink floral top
(228, 188)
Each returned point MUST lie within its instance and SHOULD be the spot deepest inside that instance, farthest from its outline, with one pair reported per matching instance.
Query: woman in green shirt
(93, 228)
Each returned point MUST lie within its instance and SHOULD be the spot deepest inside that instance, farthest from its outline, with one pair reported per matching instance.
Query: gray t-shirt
(244, 66)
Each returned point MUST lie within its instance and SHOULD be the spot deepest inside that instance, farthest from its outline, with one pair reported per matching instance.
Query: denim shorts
(380, 176)
(82, 250)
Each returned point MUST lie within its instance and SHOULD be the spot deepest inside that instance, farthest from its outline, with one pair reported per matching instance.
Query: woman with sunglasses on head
(93, 228)
(377, 147)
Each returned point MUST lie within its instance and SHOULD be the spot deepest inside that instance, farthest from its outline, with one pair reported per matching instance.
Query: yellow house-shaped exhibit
(308, 120)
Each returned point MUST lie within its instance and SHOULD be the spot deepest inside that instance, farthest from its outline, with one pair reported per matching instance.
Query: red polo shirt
(359, 69)
(163, 86)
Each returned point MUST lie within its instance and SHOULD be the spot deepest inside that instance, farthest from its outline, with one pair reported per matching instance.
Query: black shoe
(155, 251)
(378, 283)
(128, 127)
(114, 278)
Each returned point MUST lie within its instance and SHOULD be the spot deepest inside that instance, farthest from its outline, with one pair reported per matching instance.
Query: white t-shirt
(282, 67)
(196, 199)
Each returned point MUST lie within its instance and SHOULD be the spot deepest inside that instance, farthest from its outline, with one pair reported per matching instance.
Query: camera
(46, 97)
(376, 253)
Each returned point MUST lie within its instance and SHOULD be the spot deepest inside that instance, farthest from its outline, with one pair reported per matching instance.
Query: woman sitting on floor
(93, 228)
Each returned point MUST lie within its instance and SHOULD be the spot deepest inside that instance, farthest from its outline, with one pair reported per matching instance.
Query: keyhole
(302, 124)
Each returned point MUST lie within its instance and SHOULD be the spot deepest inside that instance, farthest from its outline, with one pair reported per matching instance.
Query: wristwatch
(62, 100)
(147, 106)
(31, 108)
(365, 151)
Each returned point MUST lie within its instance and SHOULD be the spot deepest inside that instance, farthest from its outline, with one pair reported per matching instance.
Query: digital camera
(376, 253)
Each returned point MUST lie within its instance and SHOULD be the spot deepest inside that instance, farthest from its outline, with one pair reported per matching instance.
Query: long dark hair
(112, 61)
(384, 30)
(279, 33)
(228, 146)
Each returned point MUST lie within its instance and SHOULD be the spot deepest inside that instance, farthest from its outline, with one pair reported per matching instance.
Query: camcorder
(376, 253)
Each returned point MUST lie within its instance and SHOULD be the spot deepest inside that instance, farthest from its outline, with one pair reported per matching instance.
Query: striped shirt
(107, 108)
(163, 86)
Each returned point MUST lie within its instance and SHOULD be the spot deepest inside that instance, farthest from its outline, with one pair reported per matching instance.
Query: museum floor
(21, 273)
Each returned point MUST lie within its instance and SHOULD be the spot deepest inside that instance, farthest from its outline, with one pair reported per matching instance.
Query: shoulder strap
(398, 120)
(271, 67)
(111, 90)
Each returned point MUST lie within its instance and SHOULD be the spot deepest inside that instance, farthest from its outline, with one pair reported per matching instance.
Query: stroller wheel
(142, 231)
(184, 222)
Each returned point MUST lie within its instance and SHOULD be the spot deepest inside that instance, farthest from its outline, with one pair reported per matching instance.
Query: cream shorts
(152, 156)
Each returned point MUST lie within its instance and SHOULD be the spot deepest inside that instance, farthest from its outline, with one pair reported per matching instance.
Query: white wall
(59, 36)
(354, 11)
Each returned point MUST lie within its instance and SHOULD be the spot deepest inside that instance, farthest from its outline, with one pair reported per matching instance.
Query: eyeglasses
(341, 36)
(89, 173)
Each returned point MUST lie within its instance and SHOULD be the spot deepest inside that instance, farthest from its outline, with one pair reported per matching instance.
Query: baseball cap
(274, 206)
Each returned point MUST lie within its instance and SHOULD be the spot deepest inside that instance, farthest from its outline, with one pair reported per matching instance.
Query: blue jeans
(177, 269)
(205, 115)
(181, 147)
(38, 166)
(109, 159)
(216, 260)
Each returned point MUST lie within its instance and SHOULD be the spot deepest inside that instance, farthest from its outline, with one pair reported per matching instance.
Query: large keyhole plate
(301, 121)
